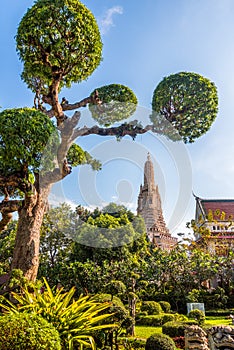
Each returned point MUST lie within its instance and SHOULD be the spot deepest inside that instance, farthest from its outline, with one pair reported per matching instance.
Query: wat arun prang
(149, 207)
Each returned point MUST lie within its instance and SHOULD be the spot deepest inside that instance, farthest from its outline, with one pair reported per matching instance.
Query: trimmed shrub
(174, 329)
(168, 318)
(159, 342)
(133, 343)
(180, 318)
(151, 320)
(219, 312)
(27, 331)
(151, 307)
(198, 315)
(166, 307)
(143, 313)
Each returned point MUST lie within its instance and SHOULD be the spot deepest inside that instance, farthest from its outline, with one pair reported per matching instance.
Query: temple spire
(149, 174)
(149, 207)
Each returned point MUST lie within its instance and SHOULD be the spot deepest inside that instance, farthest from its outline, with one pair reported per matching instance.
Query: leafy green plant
(198, 315)
(61, 46)
(174, 329)
(75, 320)
(166, 307)
(188, 101)
(152, 307)
(118, 103)
(133, 343)
(159, 342)
(168, 318)
(150, 320)
(27, 331)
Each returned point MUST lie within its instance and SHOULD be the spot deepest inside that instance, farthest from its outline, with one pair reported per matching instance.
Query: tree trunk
(132, 304)
(27, 242)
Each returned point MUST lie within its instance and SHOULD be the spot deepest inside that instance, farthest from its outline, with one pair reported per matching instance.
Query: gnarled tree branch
(118, 131)
(6, 209)
(94, 99)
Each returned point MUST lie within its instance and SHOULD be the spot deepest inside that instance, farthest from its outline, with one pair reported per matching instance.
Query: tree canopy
(58, 39)
(188, 101)
(118, 102)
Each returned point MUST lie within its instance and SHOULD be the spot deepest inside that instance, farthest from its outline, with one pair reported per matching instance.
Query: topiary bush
(151, 320)
(151, 307)
(166, 307)
(174, 329)
(159, 342)
(168, 318)
(198, 315)
(27, 331)
(133, 343)
(180, 317)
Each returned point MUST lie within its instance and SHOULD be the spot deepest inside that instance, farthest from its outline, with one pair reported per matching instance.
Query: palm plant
(75, 320)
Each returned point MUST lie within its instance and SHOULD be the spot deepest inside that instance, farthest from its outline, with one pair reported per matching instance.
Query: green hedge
(155, 320)
(219, 312)
(152, 320)
(27, 331)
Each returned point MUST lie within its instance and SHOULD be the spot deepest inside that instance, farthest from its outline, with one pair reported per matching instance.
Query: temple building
(149, 207)
(217, 215)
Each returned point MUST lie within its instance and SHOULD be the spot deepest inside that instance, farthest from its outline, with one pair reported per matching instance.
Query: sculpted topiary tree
(188, 101)
(59, 43)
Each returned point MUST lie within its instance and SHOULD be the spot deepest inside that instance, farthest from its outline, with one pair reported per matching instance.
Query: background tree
(59, 43)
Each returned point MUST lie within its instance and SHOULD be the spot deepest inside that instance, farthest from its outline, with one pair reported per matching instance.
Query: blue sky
(144, 42)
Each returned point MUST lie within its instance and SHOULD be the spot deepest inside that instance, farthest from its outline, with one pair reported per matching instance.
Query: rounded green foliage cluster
(198, 315)
(155, 320)
(188, 101)
(119, 314)
(24, 133)
(166, 307)
(27, 331)
(174, 329)
(152, 307)
(118, 103)
(133, 343)
(159, 342)
(152, 320)
(77, 156)
(58, 39)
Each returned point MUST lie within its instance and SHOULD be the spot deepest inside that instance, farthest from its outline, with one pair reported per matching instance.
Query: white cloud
(107, 21)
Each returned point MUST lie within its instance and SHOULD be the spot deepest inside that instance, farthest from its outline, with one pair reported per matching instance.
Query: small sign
(194, 306)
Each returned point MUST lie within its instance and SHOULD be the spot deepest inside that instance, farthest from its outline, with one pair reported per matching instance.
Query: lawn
(146, 331)
(216, 321)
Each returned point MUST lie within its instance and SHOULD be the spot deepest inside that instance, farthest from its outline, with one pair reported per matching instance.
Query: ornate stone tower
(149, 207)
